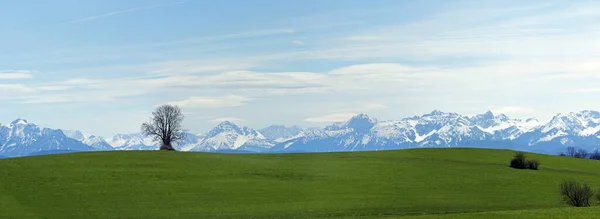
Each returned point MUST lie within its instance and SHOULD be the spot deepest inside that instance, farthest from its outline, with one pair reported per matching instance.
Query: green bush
(576, 194)
(519, 161)
(532, 164)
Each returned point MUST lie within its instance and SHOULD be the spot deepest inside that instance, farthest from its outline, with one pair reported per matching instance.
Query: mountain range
(359, 133)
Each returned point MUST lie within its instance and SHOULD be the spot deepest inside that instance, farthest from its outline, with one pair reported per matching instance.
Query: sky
(102, 66)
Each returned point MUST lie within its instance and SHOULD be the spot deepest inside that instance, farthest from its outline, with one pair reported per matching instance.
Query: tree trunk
(167, 147)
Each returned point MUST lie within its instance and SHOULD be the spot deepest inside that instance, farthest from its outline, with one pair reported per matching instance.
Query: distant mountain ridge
(21, 138)
(361, 132)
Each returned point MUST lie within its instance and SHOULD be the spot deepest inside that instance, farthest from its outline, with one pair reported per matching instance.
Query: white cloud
(298, 42)
(80, 81)
(330, 118)
(249, 79)
(53, 88)
(230, 80)
(195, 66)
(13, 75)
(375, 76)
(584, 67)
(48, 99)
(223, 119)
(66, 98)
(212, 102)
(123, 11)
(345, 114)
(250, 34)
(375, 68)
(587, 90)
(363, 38)
(385, 73)
(514, 109)
(369, 106)
(15, 88)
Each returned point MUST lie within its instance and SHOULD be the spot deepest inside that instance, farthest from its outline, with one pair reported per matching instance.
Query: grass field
(418, 183)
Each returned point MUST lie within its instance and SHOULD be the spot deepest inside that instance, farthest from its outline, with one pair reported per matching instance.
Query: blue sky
(103, 66)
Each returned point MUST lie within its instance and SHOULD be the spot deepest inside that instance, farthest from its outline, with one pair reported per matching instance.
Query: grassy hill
(449, 183)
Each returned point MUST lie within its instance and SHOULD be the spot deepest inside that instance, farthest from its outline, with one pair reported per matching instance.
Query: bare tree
(595, 156)
(165, 126)
(581, 153)
(571, 151)
(576, 194)
(576, 153)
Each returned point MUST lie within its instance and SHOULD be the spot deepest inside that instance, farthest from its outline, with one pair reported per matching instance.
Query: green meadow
(414, 183)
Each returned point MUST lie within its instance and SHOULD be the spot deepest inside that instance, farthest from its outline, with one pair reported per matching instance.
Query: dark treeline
(581, 153)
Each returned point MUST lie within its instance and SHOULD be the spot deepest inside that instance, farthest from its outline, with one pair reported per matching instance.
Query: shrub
(533, 164)
(576, 194)
(519, 161)
(598, 194)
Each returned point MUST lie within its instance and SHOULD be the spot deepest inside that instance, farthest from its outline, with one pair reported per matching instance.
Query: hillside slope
(156, 184)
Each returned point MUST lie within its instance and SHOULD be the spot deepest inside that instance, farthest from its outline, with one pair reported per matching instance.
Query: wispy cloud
(11, 89)
(53, 88)
(66, 98)
(346, 114)
(13, 75)
(80, 81)
(212, 102)
(586, 90)
(223, 119)
(514, 109)
(363, 38)
(252, 84)
(329, 118)
(240, 35)
(122, 11)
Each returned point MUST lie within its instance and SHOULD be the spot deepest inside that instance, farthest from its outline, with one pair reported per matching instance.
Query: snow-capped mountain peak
(227, 124)
(361, 132)
(22, 138)
(77, 135)
(229, 136)
(435, 113)
(361, 122)
(135, 141)
(94, 141)
(280, 133)
(19, 122)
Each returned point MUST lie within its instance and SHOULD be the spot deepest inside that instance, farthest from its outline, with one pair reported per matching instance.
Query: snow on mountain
(361, 132)
(355, 134)
(280, 133)
(229, 136)
(447, 129)
(441, 129)
(571, 129)
(501, 127)
(21, 138)
(135, 141)
(95, 142)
